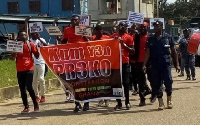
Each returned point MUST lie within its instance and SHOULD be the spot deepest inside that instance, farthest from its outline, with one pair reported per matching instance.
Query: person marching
(127, 44)
(98, 35)
(39, 68)
(189, 58)
(25, 66)
(158, 51)
(137, 60)
(69, 36)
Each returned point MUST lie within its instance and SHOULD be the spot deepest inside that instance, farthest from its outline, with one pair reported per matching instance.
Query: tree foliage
(180, 10)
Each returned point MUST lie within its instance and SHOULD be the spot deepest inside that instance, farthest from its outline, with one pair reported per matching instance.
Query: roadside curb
(13, 92)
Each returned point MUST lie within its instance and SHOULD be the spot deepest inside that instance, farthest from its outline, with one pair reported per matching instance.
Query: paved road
(186, 99)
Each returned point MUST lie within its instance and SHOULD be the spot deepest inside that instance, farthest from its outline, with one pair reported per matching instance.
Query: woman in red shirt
(24, 65)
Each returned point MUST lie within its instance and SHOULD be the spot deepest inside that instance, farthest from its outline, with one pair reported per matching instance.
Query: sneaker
(100, 103)
(86, 106)
(77, 108)
(188, 78)
(161, 104)
(107, 103)
(69, 99)
(146, 92)
(142, 103)
(42, 99)
(135, 92)
(153, 98)
(193, 78)
(26, 110)
(128, 106)
(118, 107)
(181, 75)
(37, 98)
(36, 108)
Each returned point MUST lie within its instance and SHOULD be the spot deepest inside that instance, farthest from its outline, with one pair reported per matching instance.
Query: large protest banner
(90, 70)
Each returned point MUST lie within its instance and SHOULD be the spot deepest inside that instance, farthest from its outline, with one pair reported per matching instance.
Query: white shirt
(40, 60)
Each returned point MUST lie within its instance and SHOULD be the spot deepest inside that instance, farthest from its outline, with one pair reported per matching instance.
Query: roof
(22, 18)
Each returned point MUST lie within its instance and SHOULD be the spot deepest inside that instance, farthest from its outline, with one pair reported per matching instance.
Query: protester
(99, 36)
(159, 54)
(70, 37)
(127, 47)
(133, 81)
(24, 65)
(39, 68)
(183, 49)
(137, 60)
(187, 57)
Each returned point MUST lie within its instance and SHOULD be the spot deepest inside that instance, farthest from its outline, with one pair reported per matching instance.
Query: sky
(171, 1)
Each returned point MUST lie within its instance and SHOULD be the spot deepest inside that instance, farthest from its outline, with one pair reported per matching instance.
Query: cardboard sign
(152, 20)
(90, 70)
(137, 18)
(193, 44)
(15, 46)
(85, 20)
(53, 30)
(35, 27)
(84, 31)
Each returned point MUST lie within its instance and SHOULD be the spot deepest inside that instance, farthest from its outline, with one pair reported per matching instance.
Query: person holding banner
(137, 60)
(39, 68)
(69, 36)
(158, 52)
(25, 66)
(127, 44)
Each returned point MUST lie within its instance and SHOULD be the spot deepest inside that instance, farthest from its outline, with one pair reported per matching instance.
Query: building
(47, 10)
(53, 8)
(111, 10)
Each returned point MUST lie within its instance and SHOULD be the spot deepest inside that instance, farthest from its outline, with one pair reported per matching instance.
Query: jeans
(190, 65)
(25, 79)
(182, 65)
(125, 81)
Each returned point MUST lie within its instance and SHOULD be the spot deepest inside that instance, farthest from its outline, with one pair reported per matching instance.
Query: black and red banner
(90, 70)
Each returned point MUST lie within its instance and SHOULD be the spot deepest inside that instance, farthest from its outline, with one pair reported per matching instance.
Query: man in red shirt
(127, 47)
(69, 36)
(25, 65)
(99, 34)
(137, 61)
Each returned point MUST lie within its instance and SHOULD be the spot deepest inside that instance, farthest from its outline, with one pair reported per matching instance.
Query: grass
(8, 74)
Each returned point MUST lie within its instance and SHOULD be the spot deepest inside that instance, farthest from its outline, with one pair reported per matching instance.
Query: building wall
(50, 7)
(98, 7)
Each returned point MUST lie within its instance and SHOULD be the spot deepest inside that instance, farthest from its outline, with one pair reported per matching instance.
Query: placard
(152, 20)
(15, 46)
(84, 31)
(85, 20)
(53, 30)
(136, 17)
(35, 27)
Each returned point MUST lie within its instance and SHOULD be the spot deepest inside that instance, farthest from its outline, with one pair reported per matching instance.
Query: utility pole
(157, 8)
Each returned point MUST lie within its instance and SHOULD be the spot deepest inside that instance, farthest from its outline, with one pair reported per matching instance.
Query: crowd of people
(141, 54)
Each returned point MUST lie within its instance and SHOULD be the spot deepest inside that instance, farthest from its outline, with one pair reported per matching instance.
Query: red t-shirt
(102, 37)
(142, 48)
(24, 61)
(69, 34)
(128, 40)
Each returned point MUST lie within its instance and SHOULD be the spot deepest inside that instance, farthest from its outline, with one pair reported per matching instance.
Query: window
(113, 6)
(68, 5)
(34, 6)
(13, 7)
